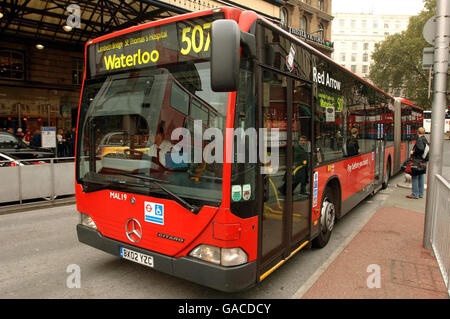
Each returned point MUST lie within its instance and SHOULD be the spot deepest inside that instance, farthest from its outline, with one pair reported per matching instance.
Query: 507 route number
(193, 39)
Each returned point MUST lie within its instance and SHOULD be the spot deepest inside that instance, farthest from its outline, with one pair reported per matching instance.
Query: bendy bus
(214, 145)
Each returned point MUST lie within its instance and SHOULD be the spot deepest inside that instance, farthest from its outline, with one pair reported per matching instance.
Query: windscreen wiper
(94, 186)
(157, 182)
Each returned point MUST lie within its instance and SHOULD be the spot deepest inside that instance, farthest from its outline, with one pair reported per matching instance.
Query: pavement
(385, 259)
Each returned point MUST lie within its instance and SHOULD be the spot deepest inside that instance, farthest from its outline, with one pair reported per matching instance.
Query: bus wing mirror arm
(265, 188)
(248, 40)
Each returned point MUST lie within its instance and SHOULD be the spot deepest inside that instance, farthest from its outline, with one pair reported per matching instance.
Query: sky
(406, 7)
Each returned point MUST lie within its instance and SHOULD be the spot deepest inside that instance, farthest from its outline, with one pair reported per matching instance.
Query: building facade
(310, 20)
(38, 87)
(355, 36)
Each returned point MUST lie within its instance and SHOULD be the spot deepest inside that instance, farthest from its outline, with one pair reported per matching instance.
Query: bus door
(285, 106)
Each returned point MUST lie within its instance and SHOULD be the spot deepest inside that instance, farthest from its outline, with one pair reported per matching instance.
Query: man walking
(417, 155)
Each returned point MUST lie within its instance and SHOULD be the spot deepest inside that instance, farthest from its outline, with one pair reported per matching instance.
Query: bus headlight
(87, 221)
(220, 256)
(233, 257)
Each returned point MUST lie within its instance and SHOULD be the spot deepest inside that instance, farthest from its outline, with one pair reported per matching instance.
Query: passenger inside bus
(352, 143)
(300, 166)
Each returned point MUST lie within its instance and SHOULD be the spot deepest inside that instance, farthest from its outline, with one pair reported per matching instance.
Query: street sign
(428, 58)
(429, 30)
(48, 137)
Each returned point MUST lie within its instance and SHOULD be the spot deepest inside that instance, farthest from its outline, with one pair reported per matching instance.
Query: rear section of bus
(147, 92)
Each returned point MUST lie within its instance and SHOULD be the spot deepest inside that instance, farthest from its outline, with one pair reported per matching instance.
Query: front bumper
(227, 279)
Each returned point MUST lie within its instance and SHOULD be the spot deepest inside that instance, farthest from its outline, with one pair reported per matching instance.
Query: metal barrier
(22, 180)
(440, 232)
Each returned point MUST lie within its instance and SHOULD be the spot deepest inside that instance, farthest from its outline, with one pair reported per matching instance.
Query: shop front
(32, 108)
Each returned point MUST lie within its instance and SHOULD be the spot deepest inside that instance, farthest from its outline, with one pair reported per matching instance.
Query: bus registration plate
(136, 257)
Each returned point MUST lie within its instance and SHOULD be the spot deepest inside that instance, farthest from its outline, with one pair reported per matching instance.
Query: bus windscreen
(140, 117)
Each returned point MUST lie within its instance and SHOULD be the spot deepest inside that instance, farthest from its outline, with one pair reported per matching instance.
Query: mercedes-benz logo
(133, 230)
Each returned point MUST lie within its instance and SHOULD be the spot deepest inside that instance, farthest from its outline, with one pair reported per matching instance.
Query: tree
(398, 60)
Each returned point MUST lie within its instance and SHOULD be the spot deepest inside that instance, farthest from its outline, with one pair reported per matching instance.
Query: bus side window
(179, 99)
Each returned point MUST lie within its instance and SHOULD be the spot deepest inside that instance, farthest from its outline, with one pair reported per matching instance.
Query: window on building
(365, 57)
(77, 71)
(321, 5)
(321, 31)
(354, 57)
(342, 56)
(341, 23)
(12, 64)
(375, 24)
(386, 25)
(284, 17)
(353, 23)
(364, 23)
(304, 24)
(353, 68)
(366, 46)
(365, 69)
(354, 45)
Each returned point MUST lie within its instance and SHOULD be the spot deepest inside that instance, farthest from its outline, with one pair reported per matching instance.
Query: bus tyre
(387, 176)
(327, 219)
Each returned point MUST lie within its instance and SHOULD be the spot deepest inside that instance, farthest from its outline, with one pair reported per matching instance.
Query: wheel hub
(328, 215)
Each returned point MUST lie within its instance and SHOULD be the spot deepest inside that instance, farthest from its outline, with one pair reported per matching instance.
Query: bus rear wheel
(327, 219)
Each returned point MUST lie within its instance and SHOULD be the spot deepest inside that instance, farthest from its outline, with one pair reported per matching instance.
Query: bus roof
(232, 12)
(314, 50)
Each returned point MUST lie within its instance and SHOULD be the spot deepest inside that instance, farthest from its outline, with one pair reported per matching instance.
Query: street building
(310, 20)
(355, 36)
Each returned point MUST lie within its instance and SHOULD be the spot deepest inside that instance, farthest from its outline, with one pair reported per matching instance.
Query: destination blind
(176, 42)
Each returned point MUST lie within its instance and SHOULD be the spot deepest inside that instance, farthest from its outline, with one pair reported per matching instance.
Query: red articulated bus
(214, 145)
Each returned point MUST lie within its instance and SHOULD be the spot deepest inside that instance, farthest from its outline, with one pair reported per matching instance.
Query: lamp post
(441, 44)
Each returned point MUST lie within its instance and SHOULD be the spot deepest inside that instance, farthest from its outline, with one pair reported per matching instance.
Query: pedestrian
(418, 179)
(36, 140)
(27, 137)
(72, 142)
(60, 138)
(19, 133)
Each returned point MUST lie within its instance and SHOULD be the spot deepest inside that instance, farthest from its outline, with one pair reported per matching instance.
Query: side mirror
(225, 44)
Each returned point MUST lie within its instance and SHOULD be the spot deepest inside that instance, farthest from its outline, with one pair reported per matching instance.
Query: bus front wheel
(327, 219)
(387, 176)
